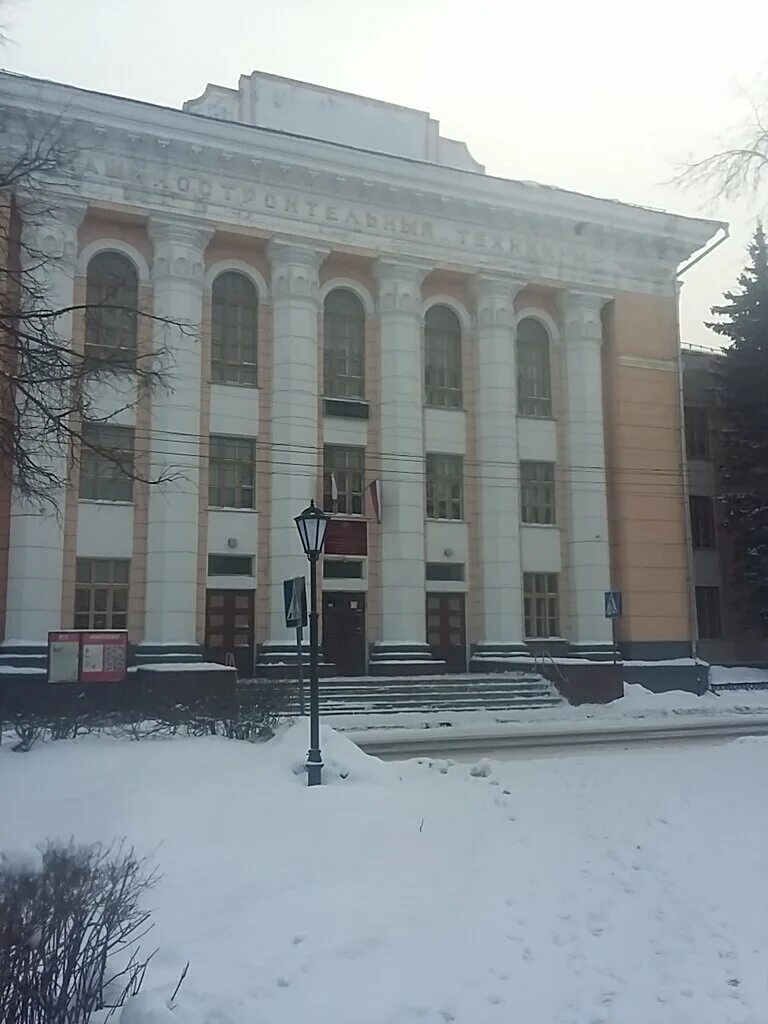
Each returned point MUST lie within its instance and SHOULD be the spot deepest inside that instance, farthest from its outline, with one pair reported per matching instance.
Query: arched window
(111, 298)
(343, 345)
(534, 383)
(442, 358)
(234, 329)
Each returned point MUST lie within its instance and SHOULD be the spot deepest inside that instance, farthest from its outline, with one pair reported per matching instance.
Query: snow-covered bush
(70, 924)
(248, 711)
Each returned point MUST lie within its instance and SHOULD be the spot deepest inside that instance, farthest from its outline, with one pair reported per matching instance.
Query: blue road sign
(612, 604)
(295, 602)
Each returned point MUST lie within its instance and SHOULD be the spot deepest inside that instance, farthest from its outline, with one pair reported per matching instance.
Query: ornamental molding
(168, 161)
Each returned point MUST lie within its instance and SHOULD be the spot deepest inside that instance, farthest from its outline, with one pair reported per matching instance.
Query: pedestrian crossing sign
(295, 602)
(612, 604)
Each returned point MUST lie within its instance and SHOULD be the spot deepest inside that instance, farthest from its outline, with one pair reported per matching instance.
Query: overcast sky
(601, 97)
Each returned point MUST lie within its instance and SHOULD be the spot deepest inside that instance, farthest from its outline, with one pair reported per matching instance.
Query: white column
(403, 628)
(295, 383)
(36, 545)
(497, 454)
(177, 278)
(589, 552)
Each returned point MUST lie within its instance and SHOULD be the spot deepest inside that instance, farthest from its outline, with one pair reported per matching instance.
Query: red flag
(374, 493)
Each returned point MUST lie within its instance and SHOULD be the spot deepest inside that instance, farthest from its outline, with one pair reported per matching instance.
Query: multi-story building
(728, 628)
(478, 377)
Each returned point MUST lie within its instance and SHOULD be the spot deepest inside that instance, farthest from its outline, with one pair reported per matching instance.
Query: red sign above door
(346, 537)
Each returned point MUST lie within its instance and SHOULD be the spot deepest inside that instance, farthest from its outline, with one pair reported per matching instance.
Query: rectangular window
(346, 569)
(343, 477)
(541, 604)
(230, 565)
(445, 487)
(445, 571)
(101, 593)
(537, 492)
(232, 472)
(708, 612)
(106, 463)
(696, 432)
(702, 522)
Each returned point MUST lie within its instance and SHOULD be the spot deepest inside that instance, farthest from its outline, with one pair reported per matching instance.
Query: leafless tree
(70, 931)
(48, 385)
(739, 167)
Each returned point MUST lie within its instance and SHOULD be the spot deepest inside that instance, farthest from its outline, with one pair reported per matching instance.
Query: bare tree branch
(48, 385)
(738, 169)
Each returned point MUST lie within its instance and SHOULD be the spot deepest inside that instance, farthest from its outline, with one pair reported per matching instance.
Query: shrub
(70, 928)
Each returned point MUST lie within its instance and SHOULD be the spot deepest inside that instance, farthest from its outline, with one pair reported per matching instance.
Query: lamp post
(311, 525)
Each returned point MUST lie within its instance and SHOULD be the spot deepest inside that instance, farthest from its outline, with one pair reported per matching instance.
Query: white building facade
(353, 312)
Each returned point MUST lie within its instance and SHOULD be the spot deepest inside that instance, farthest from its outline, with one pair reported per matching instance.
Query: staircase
(392, 695)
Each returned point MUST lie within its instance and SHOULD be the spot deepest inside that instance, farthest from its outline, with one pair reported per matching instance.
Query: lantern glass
(312, 524)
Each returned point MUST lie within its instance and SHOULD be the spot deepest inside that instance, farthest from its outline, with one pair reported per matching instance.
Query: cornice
(154, 157)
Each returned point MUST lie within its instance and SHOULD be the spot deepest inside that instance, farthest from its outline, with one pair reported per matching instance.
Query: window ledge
(445, 408)
(234, 384)
(533, 416)
(541, 526)
(105, 501)
(227, 508)
(430, 519)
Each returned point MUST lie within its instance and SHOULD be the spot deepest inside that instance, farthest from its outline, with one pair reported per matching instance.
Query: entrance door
(446, 633)
(344, 632)
(229, 628)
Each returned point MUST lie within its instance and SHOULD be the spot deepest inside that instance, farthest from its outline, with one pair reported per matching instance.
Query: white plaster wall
(104, 530)
(442, 535)
(540, 548)
(234, 410)
(231, 583)
(243, 526)
(350, 433)
(338, 117)
(537, 439)
(445, 431)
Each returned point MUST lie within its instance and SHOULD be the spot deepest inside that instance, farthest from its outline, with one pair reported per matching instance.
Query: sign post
(612, 603)
(295, 606)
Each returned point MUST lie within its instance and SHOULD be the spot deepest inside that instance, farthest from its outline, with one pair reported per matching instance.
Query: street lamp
(311, 525)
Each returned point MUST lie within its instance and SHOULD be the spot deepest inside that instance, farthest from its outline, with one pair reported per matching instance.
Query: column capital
(400, 285)
(179, 246)
(53, 235)
(495, 299)
(581, 313)
(295, 269)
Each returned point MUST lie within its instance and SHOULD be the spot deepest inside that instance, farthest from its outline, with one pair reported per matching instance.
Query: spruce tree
(742, 398)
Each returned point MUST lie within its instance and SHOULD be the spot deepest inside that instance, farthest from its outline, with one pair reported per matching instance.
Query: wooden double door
(446, 630)
(229, 628)
(344, 632)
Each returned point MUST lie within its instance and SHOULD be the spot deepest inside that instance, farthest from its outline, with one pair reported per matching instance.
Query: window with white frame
(445, 486)
(101, 593)
(343, 345)
(232, 472)
(106, 462)
(537, 492)
(541, 605)
(442, 358)
(234, 329)
(534, 384)
(111, 300)
(343, 479)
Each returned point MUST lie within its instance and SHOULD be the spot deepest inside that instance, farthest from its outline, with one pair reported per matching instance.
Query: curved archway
(442, 358)
(234, 329)
(534, 377)
(343, 345)
(112, 299)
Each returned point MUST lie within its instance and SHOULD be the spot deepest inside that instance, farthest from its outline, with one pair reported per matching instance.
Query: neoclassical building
(478, 378)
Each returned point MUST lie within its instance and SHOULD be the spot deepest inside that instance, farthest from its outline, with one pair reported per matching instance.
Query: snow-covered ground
(637, 703)
(611, 889)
